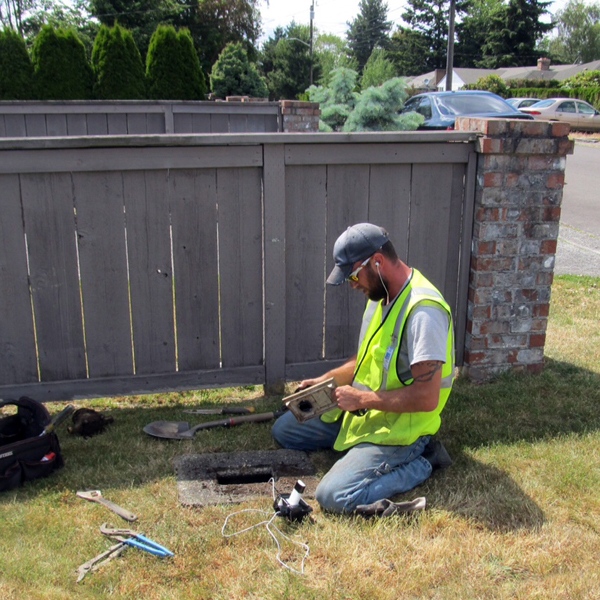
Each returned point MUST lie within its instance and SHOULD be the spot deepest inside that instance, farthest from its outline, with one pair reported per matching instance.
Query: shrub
(378, 69)
(61, 68)
(172, 66)
(16, 69)
(118, 66)
(234, 75)
(491, 83)
(377, 109)
(585, 79)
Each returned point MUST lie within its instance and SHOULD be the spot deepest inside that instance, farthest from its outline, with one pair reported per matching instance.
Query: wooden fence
(71, 118)
(136, 264)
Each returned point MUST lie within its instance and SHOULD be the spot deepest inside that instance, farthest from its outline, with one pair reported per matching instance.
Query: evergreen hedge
(61, 68)
(588, 94)
(16, 69)
(172, 67)
(118, 67)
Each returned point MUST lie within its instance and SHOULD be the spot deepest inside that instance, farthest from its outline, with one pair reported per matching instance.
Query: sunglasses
(354, 275)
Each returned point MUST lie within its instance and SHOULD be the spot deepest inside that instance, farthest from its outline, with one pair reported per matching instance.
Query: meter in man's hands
(312, 401)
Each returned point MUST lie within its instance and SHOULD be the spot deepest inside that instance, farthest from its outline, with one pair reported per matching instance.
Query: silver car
(579, 114)
(522, 102)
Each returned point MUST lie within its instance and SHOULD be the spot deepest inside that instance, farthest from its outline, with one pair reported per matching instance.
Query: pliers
(137, 540)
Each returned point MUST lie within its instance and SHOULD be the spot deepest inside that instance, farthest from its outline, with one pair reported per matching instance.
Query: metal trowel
(181, 430)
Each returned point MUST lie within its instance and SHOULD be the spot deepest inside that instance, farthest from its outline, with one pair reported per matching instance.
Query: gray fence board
(274, 263)
(201, 123)
(56, 125)
(117, 124)
(15, 126)
(389, 202)
(35, 125)
(238, 124)
(347, 203)
(76, 124)
(193, 217)
(49, 225)
(17, 341)
(155, 123)
(137, 124)
(182, 123)
(97, 125)
(2, 126)
(103, 265)
(306, 218)
(146, 195)
(239, 197)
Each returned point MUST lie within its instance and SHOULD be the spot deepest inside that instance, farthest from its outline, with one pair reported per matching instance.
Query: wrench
(96, 496)
(96, 562)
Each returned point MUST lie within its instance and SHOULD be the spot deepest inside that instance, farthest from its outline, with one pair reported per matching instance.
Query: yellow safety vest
(377, 368)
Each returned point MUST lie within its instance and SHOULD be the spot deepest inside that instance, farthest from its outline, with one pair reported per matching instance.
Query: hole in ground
(243, 478)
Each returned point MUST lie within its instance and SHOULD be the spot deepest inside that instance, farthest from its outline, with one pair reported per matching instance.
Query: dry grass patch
(516, 517)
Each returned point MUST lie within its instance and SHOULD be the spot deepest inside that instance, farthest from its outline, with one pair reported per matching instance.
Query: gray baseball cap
(357, 243)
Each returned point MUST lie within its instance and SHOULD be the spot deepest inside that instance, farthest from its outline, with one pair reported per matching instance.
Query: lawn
(515, 517)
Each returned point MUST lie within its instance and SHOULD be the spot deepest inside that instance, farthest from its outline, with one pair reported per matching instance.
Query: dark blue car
(440, 109)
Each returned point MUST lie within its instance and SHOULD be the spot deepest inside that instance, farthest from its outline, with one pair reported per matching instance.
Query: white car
(579, 114)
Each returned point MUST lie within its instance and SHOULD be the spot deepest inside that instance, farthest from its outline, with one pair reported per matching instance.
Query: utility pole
(312, 16)
(450, 52)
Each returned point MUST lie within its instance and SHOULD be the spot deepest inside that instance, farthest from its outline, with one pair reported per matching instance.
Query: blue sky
(331, 16)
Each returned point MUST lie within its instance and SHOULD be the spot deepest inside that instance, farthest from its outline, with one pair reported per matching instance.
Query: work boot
(436, 455)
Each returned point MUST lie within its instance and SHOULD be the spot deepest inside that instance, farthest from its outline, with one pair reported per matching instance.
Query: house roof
(557, 72)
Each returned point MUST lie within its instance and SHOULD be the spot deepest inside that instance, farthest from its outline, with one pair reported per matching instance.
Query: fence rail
(142, 264)
(71, 118)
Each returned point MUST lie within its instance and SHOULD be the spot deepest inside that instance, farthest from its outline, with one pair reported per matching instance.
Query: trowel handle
(232, 421)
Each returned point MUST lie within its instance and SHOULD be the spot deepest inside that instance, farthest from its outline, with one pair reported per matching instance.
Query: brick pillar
(519, 188)
(300, 117)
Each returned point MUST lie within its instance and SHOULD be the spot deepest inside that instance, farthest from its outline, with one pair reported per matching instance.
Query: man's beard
(376, 290)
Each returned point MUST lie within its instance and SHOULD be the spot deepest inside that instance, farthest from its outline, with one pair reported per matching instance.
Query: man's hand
(349, 398)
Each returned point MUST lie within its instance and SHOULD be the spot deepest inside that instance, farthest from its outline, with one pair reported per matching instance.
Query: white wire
(268, 523)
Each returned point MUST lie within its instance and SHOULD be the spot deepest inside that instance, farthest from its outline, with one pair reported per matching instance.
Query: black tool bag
(25, 454)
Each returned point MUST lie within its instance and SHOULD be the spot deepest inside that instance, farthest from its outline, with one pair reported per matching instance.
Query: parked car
(579, 114)
(440, 109)
(520, 103)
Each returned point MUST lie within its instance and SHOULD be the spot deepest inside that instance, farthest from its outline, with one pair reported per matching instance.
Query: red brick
(551, 213)
(544, 278)
(555, 181)
(485, 248)
(565, 147)
(492, 264)
(537, 341)
(512, 180)
(548, 247)
(492, 180)
(541, 310)
(482, 312)
(560, 129)
(540, 163)
(491, 146)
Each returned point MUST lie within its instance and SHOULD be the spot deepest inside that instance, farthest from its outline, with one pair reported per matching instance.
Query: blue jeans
(365, 474)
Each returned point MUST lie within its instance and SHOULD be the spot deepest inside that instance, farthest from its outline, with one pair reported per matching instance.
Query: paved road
(578, 251)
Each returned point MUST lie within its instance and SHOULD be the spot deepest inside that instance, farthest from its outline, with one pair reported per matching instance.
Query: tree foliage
(587, 79)
(16, 69)
(577, 38)
(234, 75)
(337, 99)
(118, 66)
(286, 62)
(332, 52)
(513, 34)
(61, 68)
(473, 28)
(172, 67)
(368, 30)
(378, 70)
(377, 109)
(410, 51)
(491, 83)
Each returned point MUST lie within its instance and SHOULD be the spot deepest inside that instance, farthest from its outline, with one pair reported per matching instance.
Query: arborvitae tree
(368, 30)
(16, 70)
(234, 75)
(118, 66)
(172, 66)
(377, 109)
(61, 68)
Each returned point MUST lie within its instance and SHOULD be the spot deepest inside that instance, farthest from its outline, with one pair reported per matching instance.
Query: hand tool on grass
(226, 410)
(95, 563)
(181, 430)
(137, 540)
(58, 419)
(96, 496)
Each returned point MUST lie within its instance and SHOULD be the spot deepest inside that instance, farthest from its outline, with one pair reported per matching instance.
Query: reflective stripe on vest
(378, 369)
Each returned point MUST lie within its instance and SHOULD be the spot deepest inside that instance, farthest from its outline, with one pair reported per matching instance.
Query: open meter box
(312, 401)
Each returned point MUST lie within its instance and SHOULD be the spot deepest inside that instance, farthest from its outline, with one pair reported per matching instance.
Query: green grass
(516, 516)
